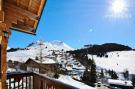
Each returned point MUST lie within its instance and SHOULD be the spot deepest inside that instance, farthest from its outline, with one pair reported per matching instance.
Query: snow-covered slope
(36, 48)
(117, 61)
(70, 81)
(51, 52)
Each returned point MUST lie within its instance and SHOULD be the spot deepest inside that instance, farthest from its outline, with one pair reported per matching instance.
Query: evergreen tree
(86, 76)
(114, 75)
(126, 74)
(133, 80)
(93, 73)
(102, 73)
(89, 75)
(36, 58)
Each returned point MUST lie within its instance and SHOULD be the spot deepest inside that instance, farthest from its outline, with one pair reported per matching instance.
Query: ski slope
(118, 61)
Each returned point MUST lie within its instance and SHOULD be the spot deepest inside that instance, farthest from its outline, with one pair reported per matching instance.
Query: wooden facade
(42, 68)
(19, 15)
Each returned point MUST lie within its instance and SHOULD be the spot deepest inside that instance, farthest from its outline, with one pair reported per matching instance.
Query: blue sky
(81, 22)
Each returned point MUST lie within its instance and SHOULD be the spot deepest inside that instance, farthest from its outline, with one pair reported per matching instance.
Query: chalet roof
(45, 61)
(23, 15)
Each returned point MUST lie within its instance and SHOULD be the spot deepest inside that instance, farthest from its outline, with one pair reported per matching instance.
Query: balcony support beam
(4, 36)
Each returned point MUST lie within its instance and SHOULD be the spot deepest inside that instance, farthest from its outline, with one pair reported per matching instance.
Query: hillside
(101, 50)
(116, 60)
(111, 56)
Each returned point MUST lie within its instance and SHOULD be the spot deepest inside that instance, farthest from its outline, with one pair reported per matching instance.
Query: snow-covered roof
(45, 61)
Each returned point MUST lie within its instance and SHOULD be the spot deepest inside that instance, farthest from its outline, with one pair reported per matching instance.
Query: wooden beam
(19, 10)
(41, 8)
(1, 12)
(18, 2)
(1, 16)
(40, 11)
(22, 28)
(0, 5)
(3, 54)
(30, 3)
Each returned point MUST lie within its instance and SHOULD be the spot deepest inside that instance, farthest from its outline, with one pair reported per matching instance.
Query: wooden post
(4, 35)
(3, 61)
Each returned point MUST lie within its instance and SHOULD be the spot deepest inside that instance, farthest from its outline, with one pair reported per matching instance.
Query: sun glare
(119, 6)
(118, 9)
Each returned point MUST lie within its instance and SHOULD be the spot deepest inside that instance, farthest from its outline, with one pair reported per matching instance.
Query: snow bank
(70, 81)
(120, 82)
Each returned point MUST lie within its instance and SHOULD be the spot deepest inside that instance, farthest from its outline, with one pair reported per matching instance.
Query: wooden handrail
(35, 81)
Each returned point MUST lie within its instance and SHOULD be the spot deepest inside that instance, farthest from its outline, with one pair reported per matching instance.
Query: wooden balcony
(33, 81)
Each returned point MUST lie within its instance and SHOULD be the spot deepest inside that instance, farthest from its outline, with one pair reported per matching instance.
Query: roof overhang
(23, 15)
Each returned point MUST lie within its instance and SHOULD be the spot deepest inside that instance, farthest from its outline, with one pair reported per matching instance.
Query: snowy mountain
(51, 52)
(35, 49)
(117, 61)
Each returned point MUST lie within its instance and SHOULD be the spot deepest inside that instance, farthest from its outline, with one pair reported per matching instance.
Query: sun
(118, 7)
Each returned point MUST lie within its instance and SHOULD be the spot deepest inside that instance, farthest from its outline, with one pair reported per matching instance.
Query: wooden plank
(22, 28)
(1, 16)
(17, 9)
(24, 4)
(34, 6)
(18, 2)
(0, 5)
(30, 3)
(41, 8)
(1, 12)
(42, 3)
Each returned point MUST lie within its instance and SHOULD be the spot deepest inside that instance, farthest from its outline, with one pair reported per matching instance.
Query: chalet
(36, 66)
(13, 64)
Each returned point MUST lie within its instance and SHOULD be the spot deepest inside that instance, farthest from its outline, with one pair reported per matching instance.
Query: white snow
(120, 82)
(70, 81)
(117, 61)
(34, 50)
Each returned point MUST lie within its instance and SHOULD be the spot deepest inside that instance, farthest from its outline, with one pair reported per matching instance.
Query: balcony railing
(34, 81)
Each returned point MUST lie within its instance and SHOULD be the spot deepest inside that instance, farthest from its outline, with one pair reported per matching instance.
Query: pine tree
(89, 75)
(102, 73)
(133, 80)
(86, 74)
(114, 75)
(93, 73)
(126, 74)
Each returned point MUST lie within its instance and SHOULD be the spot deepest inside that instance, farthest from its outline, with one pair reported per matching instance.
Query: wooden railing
(34, 81)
